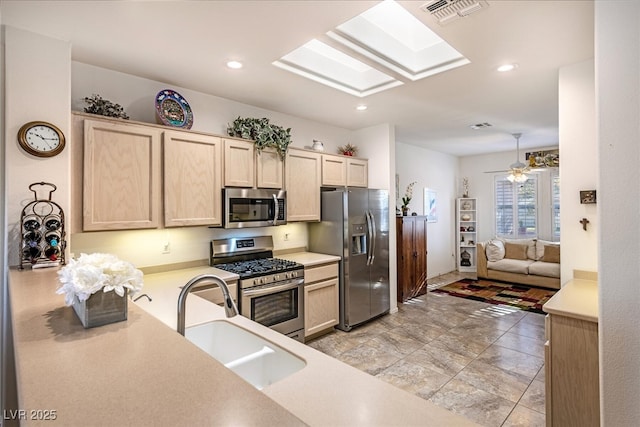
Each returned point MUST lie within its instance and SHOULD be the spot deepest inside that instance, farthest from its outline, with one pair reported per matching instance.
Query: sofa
(524, 261)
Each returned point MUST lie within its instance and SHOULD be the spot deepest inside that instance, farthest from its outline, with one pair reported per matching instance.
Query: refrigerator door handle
(374, 236)
(369, 237)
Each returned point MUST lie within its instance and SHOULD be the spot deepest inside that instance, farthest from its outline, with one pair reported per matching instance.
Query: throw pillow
(551, 254)
(514, 251)
(495, 250)
(540, 244)
(530, 243)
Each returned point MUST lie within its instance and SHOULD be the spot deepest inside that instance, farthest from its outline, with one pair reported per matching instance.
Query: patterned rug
(526, 298)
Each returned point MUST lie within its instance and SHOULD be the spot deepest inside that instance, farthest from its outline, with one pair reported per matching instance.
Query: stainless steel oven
(278, 305)
(245, 207)
(271, 290)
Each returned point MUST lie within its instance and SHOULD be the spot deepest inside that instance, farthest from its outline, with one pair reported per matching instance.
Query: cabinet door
(334, 170)
(121, 176)
(302, 175)
(238, 163)
(320, 306)
(412, 257)
(192, 179)
(420, 245)
(269, 169)
(357, 173)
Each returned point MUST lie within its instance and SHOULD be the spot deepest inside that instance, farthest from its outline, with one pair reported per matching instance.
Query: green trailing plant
(263, 133)
(104, 107)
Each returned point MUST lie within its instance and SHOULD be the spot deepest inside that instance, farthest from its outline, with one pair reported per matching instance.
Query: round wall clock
(173, 110)
(41, 139)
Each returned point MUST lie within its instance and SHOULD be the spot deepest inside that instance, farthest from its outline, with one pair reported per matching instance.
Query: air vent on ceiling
(480, 125)
(446, 11)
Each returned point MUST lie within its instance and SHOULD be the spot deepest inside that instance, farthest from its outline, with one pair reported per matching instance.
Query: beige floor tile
(370, 357)
(521, 343)
(512, 360)
(438, 357)
(533, 397)
(524, 417)
(478, 405)
(506, 384)
(414, 378)
(473, 358)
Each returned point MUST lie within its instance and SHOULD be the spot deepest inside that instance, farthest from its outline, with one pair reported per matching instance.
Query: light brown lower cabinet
(571, 372)
(321, 311)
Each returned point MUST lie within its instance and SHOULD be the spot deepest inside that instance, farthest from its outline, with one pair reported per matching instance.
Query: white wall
(37, 87)
(481, 186)
(617, 65)
(579, 171)
(436, 171)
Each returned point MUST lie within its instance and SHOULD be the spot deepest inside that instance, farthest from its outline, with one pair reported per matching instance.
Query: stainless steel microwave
(245, 207)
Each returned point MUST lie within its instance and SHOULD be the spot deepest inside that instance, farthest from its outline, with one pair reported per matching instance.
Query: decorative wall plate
(173, 110)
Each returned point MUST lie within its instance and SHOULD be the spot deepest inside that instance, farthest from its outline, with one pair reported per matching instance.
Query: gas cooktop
(259, 267)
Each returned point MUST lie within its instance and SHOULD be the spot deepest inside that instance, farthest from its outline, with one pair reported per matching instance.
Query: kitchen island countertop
(142, 372)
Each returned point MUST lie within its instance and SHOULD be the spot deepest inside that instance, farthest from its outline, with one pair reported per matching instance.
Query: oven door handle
(271, 289)
(276, 210)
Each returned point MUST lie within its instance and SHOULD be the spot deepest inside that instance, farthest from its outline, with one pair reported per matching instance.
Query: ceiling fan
(518, 170)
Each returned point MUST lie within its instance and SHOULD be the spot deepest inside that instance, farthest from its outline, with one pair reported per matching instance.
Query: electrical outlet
(286, 237)
(166, 248)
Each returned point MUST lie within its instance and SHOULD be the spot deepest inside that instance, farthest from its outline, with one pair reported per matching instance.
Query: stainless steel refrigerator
(355, 226)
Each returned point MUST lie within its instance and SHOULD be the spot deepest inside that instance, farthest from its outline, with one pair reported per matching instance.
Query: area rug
(526, 298)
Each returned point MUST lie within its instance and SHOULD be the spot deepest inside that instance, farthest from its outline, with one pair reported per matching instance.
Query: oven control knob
(255, 282)
(276, 277)
(294, 274)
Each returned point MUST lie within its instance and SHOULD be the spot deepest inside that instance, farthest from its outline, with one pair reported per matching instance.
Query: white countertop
(310, 259)
(325, 392)
(578, 299)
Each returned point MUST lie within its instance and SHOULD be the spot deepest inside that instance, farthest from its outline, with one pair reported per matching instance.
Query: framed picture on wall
(430, 205)
(587, 196)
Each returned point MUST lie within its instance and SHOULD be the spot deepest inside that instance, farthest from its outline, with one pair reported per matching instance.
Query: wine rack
(42, 242)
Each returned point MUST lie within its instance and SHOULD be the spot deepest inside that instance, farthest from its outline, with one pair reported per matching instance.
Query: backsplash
(148, 248)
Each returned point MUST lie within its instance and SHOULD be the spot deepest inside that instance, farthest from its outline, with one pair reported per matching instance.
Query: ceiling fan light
(518, 177)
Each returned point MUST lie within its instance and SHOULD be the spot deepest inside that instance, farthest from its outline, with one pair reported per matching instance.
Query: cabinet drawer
(322, 272)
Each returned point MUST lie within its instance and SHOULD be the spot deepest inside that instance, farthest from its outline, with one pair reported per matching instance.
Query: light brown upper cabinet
(122, 183)
(344, 171)
(192, 179)
(303, 179)
(357, 172)
(334, 171)
(269, 169)
(239, 163)
(249, 168)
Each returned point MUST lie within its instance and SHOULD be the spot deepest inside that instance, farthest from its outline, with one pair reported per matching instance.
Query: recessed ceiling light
(507, 67)
(361, 107)
(234, 64)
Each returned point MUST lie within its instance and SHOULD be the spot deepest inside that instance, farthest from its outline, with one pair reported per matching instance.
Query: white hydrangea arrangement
(91, 273)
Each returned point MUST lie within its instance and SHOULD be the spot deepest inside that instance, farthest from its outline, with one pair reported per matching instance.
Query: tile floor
(476, 359)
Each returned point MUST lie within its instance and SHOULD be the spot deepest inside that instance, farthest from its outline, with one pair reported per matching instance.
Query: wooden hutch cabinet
(411, 235)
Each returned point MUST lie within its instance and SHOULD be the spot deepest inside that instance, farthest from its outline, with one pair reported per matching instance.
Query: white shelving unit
(466, 232)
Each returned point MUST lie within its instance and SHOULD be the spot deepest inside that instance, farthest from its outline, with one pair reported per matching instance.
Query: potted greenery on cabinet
(263, 133)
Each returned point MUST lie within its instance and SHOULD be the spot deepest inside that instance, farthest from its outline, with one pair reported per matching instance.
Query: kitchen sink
(256, 360)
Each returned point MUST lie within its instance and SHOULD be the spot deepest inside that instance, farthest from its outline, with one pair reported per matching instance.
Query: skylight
(322, 63)
(388, 35)
(393, 37)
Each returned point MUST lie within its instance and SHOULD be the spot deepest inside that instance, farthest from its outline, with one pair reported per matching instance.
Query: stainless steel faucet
(230, 307)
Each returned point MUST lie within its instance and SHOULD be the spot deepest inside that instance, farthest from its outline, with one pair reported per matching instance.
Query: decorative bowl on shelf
(465, 217)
